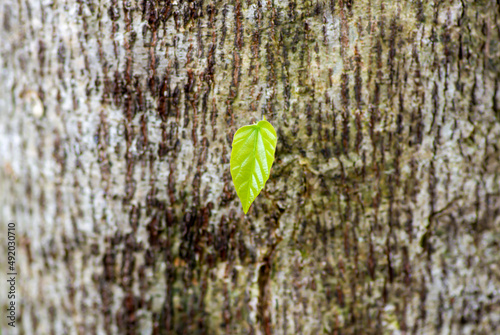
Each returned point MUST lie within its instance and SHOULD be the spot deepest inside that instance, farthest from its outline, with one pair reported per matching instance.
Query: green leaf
(251, 160)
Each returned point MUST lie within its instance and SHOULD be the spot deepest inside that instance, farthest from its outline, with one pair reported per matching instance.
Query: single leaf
(251, 159)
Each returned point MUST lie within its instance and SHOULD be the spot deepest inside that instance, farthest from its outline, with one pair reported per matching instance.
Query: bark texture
(382, 212)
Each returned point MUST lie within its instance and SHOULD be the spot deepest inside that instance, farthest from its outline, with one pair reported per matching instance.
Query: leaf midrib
(253, 163)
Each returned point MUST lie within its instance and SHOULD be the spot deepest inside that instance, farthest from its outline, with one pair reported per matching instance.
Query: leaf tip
(246, 207)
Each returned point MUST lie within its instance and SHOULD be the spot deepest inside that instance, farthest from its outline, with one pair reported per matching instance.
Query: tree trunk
(382, 212)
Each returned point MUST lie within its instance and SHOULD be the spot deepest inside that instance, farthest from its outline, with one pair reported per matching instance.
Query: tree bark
(382, 212)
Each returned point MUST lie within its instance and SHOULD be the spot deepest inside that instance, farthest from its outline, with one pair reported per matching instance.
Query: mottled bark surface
(382, 211)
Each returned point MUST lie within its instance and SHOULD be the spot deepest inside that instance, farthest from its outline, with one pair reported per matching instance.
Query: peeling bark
(382, 212)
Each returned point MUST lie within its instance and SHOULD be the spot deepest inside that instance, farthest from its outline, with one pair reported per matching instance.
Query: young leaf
(251, 160)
